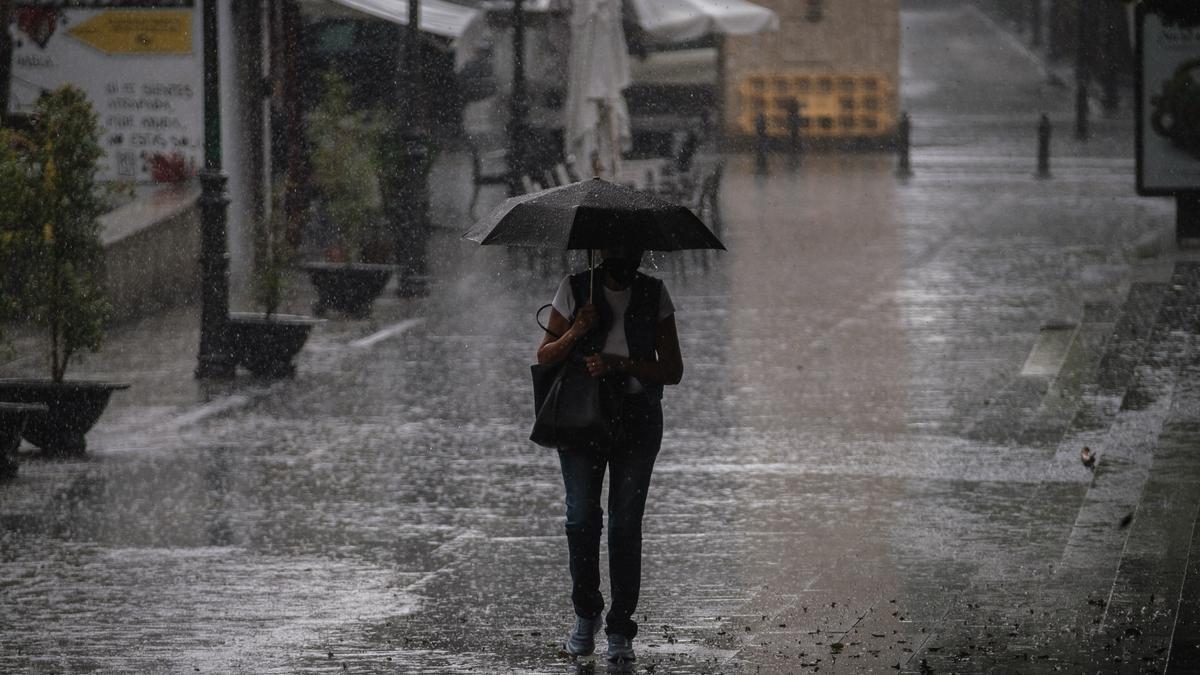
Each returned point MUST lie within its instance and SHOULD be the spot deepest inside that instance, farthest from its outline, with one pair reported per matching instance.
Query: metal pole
(289, 51)
(1083, 74)
(1111, 100)
(1035, 19)
(904, 143)
(793, 124)
(760, 146)
(412, 83)
(518, 106)
(1187, 217)
(214, 359)
(1043, 134)
(409, 210)
(5, 58)
(722, 83)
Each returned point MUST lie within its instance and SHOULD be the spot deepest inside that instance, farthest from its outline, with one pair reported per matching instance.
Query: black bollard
(760, 152)
(1187, 219)
(1043, 134)
(1082, 131)
(903, 144)
(1035, 22)
(793, 124)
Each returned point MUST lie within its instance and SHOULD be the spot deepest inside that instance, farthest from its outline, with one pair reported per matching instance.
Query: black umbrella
(593, 214)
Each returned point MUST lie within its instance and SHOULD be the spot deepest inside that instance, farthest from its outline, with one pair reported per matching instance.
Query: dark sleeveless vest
(641, 320)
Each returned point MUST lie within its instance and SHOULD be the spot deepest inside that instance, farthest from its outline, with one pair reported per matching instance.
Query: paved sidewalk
(871, 466)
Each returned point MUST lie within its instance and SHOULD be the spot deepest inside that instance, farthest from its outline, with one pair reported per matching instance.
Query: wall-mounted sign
(137, 32)
(1168, 99)
(140, 67)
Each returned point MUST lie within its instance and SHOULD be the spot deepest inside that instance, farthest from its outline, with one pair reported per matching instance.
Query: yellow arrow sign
(137, 32)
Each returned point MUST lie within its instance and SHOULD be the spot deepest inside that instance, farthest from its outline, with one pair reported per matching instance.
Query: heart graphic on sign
(38, 23)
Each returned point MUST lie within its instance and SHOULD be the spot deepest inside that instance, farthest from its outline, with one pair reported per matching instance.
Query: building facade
(832, 72)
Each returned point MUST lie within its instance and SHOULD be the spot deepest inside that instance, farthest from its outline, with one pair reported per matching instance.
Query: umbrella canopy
(684, 20)
(593, 214)
(597, 120)
(438, 17)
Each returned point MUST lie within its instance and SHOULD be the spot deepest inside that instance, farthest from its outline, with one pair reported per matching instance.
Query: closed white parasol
(597, 121)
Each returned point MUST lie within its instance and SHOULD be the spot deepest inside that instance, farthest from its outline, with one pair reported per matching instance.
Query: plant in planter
(267, 343)
(49, 212)
(345, 173)
(13, 419)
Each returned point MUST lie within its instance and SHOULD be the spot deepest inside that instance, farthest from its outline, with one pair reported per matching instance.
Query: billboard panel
(1168, 102)
(141, 68)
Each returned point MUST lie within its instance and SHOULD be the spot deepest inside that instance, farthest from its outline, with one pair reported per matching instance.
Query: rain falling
(597, 336)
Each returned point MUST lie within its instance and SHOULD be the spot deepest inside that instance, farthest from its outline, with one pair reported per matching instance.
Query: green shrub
(51, 230)
(345, 167)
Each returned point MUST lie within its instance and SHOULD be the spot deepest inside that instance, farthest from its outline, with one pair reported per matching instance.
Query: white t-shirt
(614, 343)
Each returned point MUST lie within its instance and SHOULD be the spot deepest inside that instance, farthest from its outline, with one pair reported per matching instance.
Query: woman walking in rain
(627, 334)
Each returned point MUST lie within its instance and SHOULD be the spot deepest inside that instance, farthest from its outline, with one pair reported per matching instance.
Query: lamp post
(214, 359)
(1083, 74)
(406, 167)
(5, 58)
(1035, 22)
(1111, 99)
(518, 106)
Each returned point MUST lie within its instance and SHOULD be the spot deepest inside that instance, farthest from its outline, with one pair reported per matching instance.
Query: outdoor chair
(487, 168)
(529, 184)
(710, 197)
(560, 171)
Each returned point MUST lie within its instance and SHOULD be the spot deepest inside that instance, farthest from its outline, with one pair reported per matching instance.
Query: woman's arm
(552, 349)
(666, 369)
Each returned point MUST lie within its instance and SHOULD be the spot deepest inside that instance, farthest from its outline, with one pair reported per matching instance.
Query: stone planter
(267, 347)
(347, 288)
(72, 408)
(12, 422)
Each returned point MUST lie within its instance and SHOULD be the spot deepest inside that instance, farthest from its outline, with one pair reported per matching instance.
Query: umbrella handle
(591, 276)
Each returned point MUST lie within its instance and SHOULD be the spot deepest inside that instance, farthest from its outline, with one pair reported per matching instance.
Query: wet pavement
(871, 465)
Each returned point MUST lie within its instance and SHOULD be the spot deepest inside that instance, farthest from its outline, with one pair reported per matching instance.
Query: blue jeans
(631, 460)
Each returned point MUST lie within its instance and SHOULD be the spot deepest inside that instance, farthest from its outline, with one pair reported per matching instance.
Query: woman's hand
(585, 318)
(561, 336)
(600, 365)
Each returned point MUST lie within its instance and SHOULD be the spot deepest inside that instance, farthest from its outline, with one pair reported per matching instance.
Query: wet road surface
(856, 475)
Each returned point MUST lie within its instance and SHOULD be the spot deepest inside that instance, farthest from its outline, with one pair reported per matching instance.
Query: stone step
(1075, 379)
(1122, 569)
(1184, 655)
(1142, 615)
(1099, 400)
(1037, 411)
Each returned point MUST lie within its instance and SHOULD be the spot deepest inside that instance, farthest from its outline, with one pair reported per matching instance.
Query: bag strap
(538, 317)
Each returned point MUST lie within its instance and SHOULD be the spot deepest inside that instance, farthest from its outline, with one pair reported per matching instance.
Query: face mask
(622, 271)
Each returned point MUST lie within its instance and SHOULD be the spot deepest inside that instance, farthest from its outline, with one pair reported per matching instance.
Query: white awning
(682, 20)
(438, 17)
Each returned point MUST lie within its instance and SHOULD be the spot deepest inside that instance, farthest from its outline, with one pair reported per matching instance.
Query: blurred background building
(835, 64)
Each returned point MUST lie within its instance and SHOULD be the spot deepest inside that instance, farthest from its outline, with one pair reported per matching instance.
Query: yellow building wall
(837, 60)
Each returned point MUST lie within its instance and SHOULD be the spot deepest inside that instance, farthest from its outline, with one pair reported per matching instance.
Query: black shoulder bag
(568, 403)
